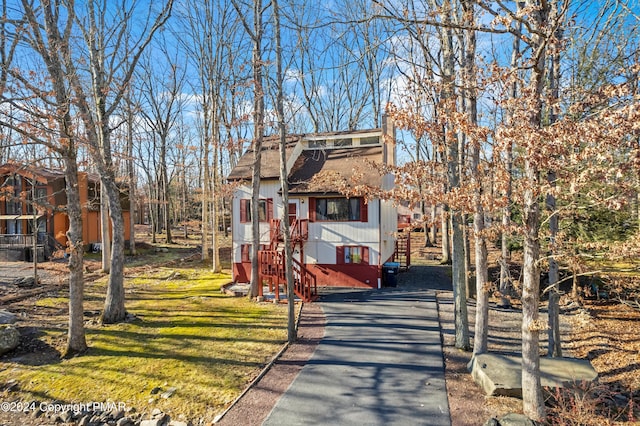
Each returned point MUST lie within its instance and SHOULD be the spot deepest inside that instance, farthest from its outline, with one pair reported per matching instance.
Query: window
(321, 143)
(14, 188)
(338, 209)
(265, 210)
(245, 250)
(356, 255)
(14, 227)
(39, 202)
(343, 142)
(42, 225)
(372, 140)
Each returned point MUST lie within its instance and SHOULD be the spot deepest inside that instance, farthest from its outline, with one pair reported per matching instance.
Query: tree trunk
(165, 189)
(423, 210)
(258, 133)
(206, 185)
(480, 342)
(467, 257)
(505, 279)
(288, 248)
(533, 401)
(459, 290)
(132, 210)
(76, 341)
(152, 214)
(104, 231)
(215, 190)
(554, 348)
(34, 232)
(453, 156)
(131, 171)
(114, 310)
(255, 218)
(446, 237)
(434, 226)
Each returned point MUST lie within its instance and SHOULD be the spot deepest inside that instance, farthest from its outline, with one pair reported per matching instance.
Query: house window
(265, 210)
(321, 143)
(338, 209)
(14, 227)
(42, 226)
(343, 142)
(356, 255)
(372, 140)
(39, 202)
(14, 188)
(245, 250)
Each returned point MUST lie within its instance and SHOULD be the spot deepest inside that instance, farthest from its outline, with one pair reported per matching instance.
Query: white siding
(388, 228)
(324, 237)
(241, 232)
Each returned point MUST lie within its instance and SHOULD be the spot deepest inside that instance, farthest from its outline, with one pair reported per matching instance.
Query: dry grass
(184, 334)
(606, 332)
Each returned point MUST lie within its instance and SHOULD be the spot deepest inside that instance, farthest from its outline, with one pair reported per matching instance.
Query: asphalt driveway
(379, 363)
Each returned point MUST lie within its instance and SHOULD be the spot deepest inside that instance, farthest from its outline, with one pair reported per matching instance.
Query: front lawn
(185, 334)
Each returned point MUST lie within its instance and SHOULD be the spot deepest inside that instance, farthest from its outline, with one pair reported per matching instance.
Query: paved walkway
(380, 363)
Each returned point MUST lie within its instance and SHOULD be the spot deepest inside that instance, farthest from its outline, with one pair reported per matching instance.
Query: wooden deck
(20, 247)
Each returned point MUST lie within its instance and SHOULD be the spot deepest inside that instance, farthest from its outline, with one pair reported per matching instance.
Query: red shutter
(364, 211)
(340, 255)
(365, 255)
(269, 209)
(312, 209)
(244, 249)
(244, 204)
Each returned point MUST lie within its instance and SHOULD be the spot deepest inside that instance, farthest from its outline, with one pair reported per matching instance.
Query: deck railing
(21, 240)
(298, 229)
(272, 271)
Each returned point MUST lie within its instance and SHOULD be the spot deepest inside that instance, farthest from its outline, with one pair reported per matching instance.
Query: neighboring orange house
(17, 214)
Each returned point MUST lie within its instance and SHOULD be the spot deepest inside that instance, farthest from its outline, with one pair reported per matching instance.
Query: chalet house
(337, 240)
(32, 196)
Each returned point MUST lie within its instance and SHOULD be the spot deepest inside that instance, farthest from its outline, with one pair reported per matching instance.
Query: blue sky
(335, 62)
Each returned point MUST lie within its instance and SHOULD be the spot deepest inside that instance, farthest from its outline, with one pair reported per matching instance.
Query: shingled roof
(321, 171)
(315, 171)
(270, 164)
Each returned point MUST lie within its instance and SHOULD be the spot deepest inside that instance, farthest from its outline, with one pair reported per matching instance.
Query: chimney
(389, 139)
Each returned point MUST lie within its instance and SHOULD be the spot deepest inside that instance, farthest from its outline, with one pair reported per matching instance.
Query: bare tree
(470, 108)
(163, 103)
(212, 48)
(255, 30)
(103, 27)
(48, 36)
(282, 131)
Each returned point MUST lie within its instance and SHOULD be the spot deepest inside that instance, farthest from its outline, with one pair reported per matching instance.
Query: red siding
(326, 275)
(242, 272)
(349, 275)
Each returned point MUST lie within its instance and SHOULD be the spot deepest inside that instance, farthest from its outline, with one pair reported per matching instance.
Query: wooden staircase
(272, 263)
(402, 253)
